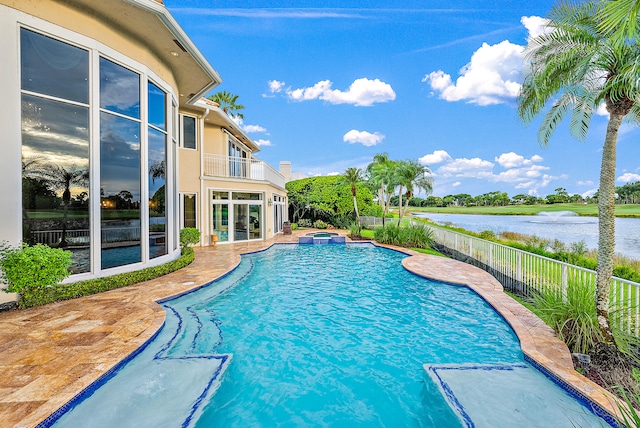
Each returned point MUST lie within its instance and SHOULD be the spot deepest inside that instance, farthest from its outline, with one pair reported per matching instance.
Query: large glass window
(54, 68)
(58, 115)
(120, 183)
(55, 146)
(157, 164)
(188, 132)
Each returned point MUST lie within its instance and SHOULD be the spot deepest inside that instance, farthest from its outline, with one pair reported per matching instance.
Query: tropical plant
(228, 102)
(578, 67)
(413, 176)
(620, 20)
(319, 224)
(26, 268)
(352, 176)
(63, 178)
(355, 231)
(189, 236)
(572, 315)
(381, 174)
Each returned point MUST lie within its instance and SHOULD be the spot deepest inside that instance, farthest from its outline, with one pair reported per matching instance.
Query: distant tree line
(627, 194)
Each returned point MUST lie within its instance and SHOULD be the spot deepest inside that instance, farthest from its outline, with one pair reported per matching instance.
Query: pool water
(308, 335)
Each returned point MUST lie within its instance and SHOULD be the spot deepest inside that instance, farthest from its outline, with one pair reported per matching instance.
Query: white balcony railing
(235, 167)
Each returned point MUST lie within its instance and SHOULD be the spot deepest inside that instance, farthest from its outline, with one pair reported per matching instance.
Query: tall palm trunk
(355, 206)
(400, 206)
(606, 225)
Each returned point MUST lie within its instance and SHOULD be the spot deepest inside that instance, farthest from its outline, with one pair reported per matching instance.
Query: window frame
(196, 131)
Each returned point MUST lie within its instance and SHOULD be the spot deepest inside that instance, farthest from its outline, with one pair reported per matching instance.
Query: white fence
(526, 273)
(236, 167)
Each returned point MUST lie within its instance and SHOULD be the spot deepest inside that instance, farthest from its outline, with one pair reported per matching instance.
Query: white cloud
(464, 167)
(628, 177)
(491, 77)
(456, 184)
(520, 172)
(535, 25)
(510, 160)
(365, 138)
(362, 92)
(589, 193)
(254, 128)
(263, 143)
(514, 160)
(493, 74)
(438, 156)
(333, 173)
(275, 86)
(247, 128)
(585, 183)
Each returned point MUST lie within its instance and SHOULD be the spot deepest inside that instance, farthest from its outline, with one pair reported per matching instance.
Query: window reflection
(119, 89)
(55, 146)
(157, 107)
(119, 190)
(53, 68)
(157, 194)
(188, 132)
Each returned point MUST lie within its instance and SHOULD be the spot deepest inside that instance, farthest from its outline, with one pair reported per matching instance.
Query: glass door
(220, 218)
(241, 222)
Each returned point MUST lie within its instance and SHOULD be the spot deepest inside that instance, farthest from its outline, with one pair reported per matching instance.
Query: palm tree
(579, 65)
(353, 176)
(63, 178)
(228, 102)
(381, 174)
(414, 177)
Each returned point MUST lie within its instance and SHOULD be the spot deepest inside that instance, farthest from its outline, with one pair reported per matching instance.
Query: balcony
(241, 168)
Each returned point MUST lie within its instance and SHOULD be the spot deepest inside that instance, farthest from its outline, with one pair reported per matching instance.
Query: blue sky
(327, 85)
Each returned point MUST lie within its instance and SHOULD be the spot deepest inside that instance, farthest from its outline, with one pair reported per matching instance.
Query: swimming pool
(321, 335)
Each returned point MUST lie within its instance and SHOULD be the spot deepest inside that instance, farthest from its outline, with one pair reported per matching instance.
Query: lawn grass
(629, 210)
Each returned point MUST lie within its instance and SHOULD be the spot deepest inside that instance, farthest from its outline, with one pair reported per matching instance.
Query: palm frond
(619, 20)
(554, 116)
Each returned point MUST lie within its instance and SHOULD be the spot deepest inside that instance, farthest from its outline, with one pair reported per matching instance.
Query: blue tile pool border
(597, 409)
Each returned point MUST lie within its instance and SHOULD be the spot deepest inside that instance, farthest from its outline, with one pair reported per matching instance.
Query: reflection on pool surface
(320, 335)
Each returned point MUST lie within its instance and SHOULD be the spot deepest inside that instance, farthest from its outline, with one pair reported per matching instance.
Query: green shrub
(414, 236)
(42, 296)
(27, 268)
(189, 236)
(304, 222)
(390, 234)
(573, 317)
(354, 231)
(489, 235)
(417, 236)
(294, 226)
(319, 224)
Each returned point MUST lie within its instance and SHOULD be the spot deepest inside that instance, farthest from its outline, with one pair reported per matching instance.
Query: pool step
(322, 240)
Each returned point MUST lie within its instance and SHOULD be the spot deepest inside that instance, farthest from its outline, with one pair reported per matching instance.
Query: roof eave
(172, 25)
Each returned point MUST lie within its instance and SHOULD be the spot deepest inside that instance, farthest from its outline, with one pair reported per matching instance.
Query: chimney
(285, 170)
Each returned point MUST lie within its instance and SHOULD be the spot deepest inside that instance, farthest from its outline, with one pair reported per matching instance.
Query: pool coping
(50, 355)
(540, 345)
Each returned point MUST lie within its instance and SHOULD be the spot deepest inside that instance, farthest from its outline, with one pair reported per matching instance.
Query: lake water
(564, 227)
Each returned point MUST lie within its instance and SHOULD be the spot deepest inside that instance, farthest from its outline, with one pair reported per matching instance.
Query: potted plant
(286, 228)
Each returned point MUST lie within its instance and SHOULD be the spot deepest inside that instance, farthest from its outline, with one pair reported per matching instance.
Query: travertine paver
(51, 353)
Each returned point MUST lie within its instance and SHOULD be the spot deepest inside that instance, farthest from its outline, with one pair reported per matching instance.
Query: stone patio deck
(51, 353)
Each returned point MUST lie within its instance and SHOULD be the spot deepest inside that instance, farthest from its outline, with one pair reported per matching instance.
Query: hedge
(56, 293)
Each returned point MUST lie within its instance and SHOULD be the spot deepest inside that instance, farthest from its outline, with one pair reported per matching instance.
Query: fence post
(564, 282)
